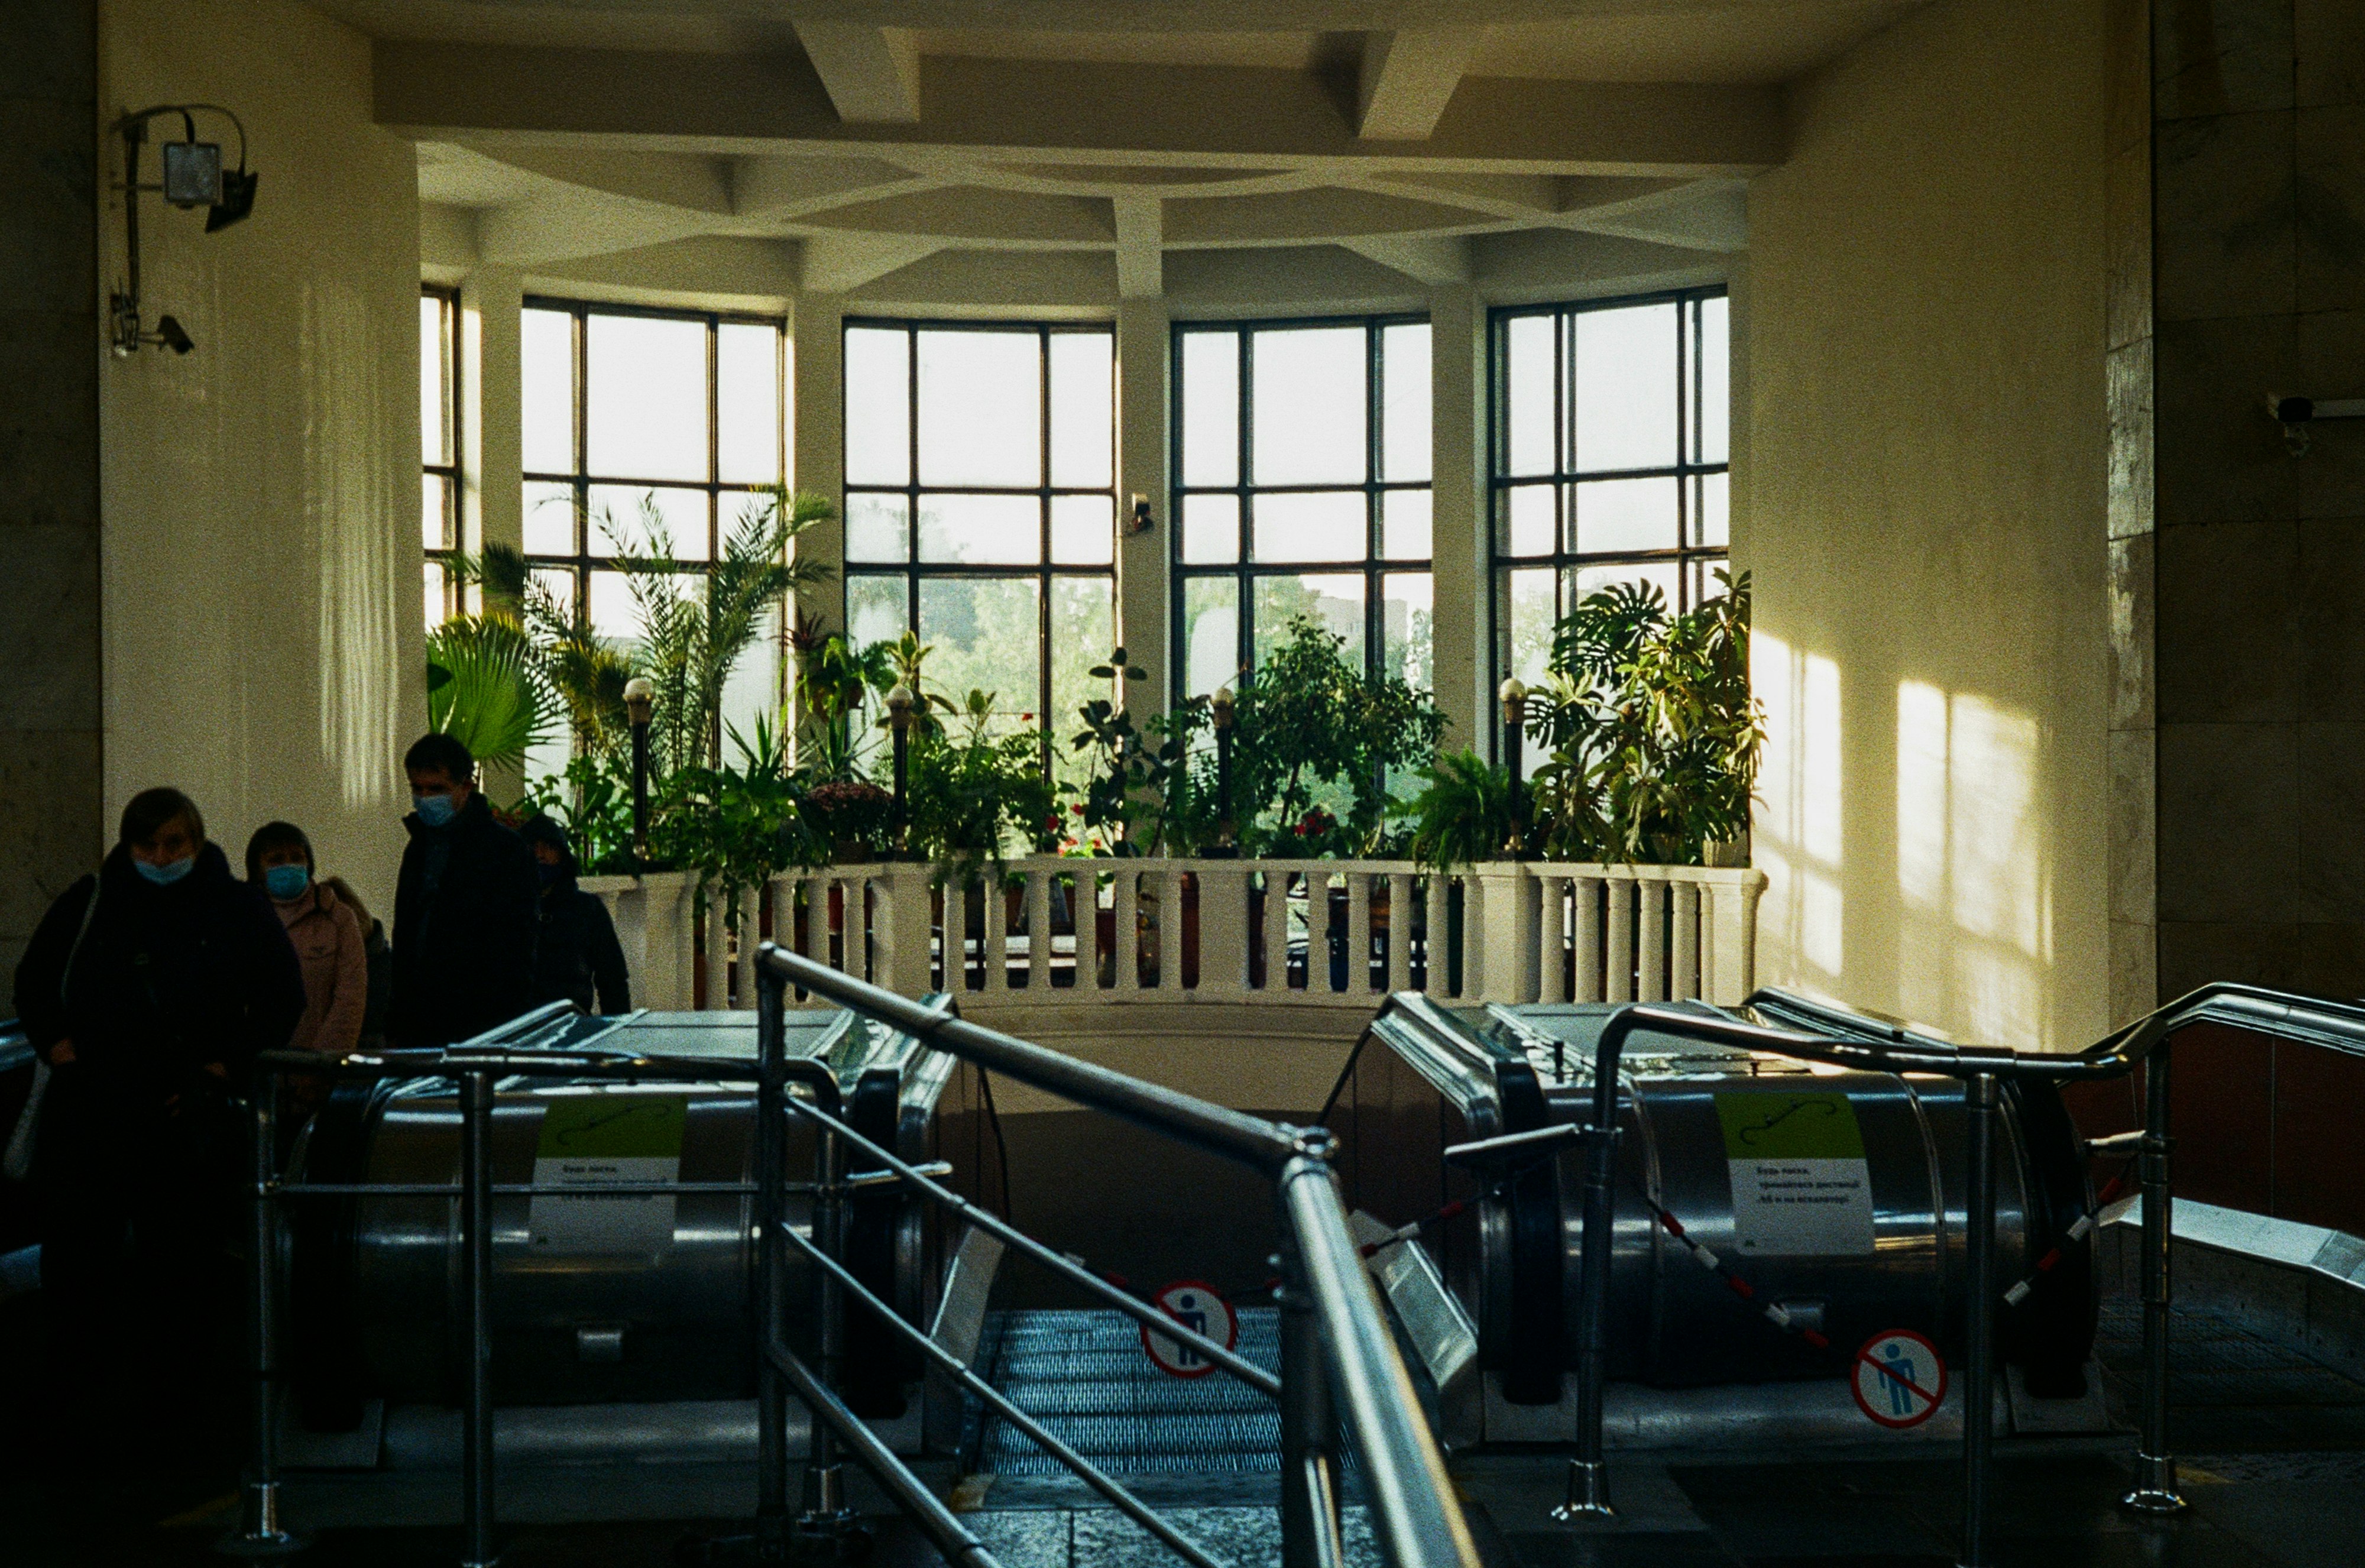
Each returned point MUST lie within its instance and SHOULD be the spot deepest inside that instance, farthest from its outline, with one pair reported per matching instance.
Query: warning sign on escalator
(595, 1141)
(1200, 1309)
(1800, 1187)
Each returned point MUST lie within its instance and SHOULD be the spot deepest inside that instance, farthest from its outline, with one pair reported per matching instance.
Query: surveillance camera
(169, 333)
(2293, 411)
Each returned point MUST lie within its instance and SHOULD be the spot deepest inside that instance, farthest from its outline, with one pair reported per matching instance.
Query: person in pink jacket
(328, 939)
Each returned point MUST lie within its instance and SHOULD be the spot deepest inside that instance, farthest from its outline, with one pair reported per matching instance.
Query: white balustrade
(1047, 931)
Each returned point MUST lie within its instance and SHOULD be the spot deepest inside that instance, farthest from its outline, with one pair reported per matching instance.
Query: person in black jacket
(464, 912)
(148, 988)
(577, 959)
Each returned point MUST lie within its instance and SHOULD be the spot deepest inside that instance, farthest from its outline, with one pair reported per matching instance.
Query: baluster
(1585, 903)
(750, 903)
(1650, 901)
(1620, 964)
(1436, 889)
(1685, 984)
(1277, 927)
(816, 891)
(1084, 902)
(1038, 927)
(1359, 932)
(858, 925)
(952, 940)
(1552, 983)
(1399, 932)
(1169, 927)
(1124, 925)
(1474, 937)
(997, 932)
(715, 958)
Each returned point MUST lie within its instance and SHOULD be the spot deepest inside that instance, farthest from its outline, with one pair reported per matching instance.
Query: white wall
(259, 496)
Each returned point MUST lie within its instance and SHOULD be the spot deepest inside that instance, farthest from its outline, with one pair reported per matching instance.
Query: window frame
(1245, 569)
(1042, 573)
(447, 557)
(1687, 469)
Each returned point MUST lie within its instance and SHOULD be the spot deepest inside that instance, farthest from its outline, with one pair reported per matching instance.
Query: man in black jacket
(464, 912)
(148, 988)
(578, 958)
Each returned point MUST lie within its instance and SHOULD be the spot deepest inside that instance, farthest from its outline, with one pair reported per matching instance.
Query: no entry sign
(1199, 1308)
(1899, 1379)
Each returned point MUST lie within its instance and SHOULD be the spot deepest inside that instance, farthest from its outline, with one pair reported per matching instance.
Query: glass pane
(1083, 529)
(434, 511)
(1404, 525)
(434, 416)
(1211, 407)
(1309, 418)
(1211, 633)
(1625, 514)
(1527, 393)
(626, 521)
(1083, 630)
(645, 398)
(1211, 530)
(1334, 600)
(438, 596)
(1531, 525)
(747, 404)
(549, 519)
(1626, 405)
(984, 530)
(1661, 575)
(1084, 410)
(877, 406)
(560, 585)
(877, 609)
(547, 414)
(988, 637)
(1716, 381)
(752, 689)
(877, 528)
(1712, 513)
(1406, 608)
(1317, 527)
(1404, 402)
(1530, 609)
(616, 615)
(980, 408)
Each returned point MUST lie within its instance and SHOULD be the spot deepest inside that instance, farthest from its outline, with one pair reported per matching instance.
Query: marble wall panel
(2228, 627)
(2331, 820)
(2220, 458)
(2331, 588)
(2329, 207)
(2133, 658)
(2226, 244)
(2229, 825)
(2330, 35)
(2193, 954)
(2214, 57)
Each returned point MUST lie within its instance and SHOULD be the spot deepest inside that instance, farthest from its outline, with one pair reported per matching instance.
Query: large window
(648, 432)
(1302, 465)
(1611, 425)
(981, 508)
(439, 431)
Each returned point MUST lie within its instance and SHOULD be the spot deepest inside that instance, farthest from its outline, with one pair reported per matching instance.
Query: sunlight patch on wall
(349, 507)
(1795, 839)
(1973, 871)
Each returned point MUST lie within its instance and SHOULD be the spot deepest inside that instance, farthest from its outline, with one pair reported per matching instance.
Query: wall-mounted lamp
(2296, 414)
(1139, 521)
(194, 178)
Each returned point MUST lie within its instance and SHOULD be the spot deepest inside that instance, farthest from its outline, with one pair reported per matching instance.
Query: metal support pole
(827, 1529)
(1309, 1463)
(259, 1532)
(1979, 1095)
(771, 1179)
(2154, 1490)
(477, 1239)
(1588, 1472)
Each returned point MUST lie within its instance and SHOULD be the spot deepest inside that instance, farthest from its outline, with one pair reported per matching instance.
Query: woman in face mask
(148, 988)
(326, 934)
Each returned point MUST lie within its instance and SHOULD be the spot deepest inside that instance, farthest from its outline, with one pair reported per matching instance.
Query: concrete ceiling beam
(1141, 247)
(1210, 116)
(872, 74)
(1407, 79)
(1434, 259)
(569, 225)
(834, 264)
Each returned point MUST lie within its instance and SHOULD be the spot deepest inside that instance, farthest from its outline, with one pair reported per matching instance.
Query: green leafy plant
(1463, 813)
(1138, 786)
(1651, 734)
(833, 682)
(977, 790)
(737, 826)
(592, 799)
(485, 686)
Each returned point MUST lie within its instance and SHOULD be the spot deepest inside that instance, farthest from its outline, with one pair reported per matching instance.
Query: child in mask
(328, 939)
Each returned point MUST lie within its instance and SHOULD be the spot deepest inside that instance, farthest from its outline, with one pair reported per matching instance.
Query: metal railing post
(1588, 1472)
(260, 1532)
(771, 1157)
(477, 1239)
(826, 1519)
(1309, 1464)
(2154, 1490)
(1979, 1098)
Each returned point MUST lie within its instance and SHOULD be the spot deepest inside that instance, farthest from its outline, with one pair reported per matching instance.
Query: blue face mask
(435, 809)
(548, 873)
(287, 883)
(170, 872)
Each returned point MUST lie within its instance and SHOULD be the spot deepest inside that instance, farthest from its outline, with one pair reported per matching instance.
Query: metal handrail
(1894, 1048)
(1335, 1344)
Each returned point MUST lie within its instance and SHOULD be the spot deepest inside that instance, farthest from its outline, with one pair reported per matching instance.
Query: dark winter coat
(463, 929)
(578, 958)
(167, 979)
